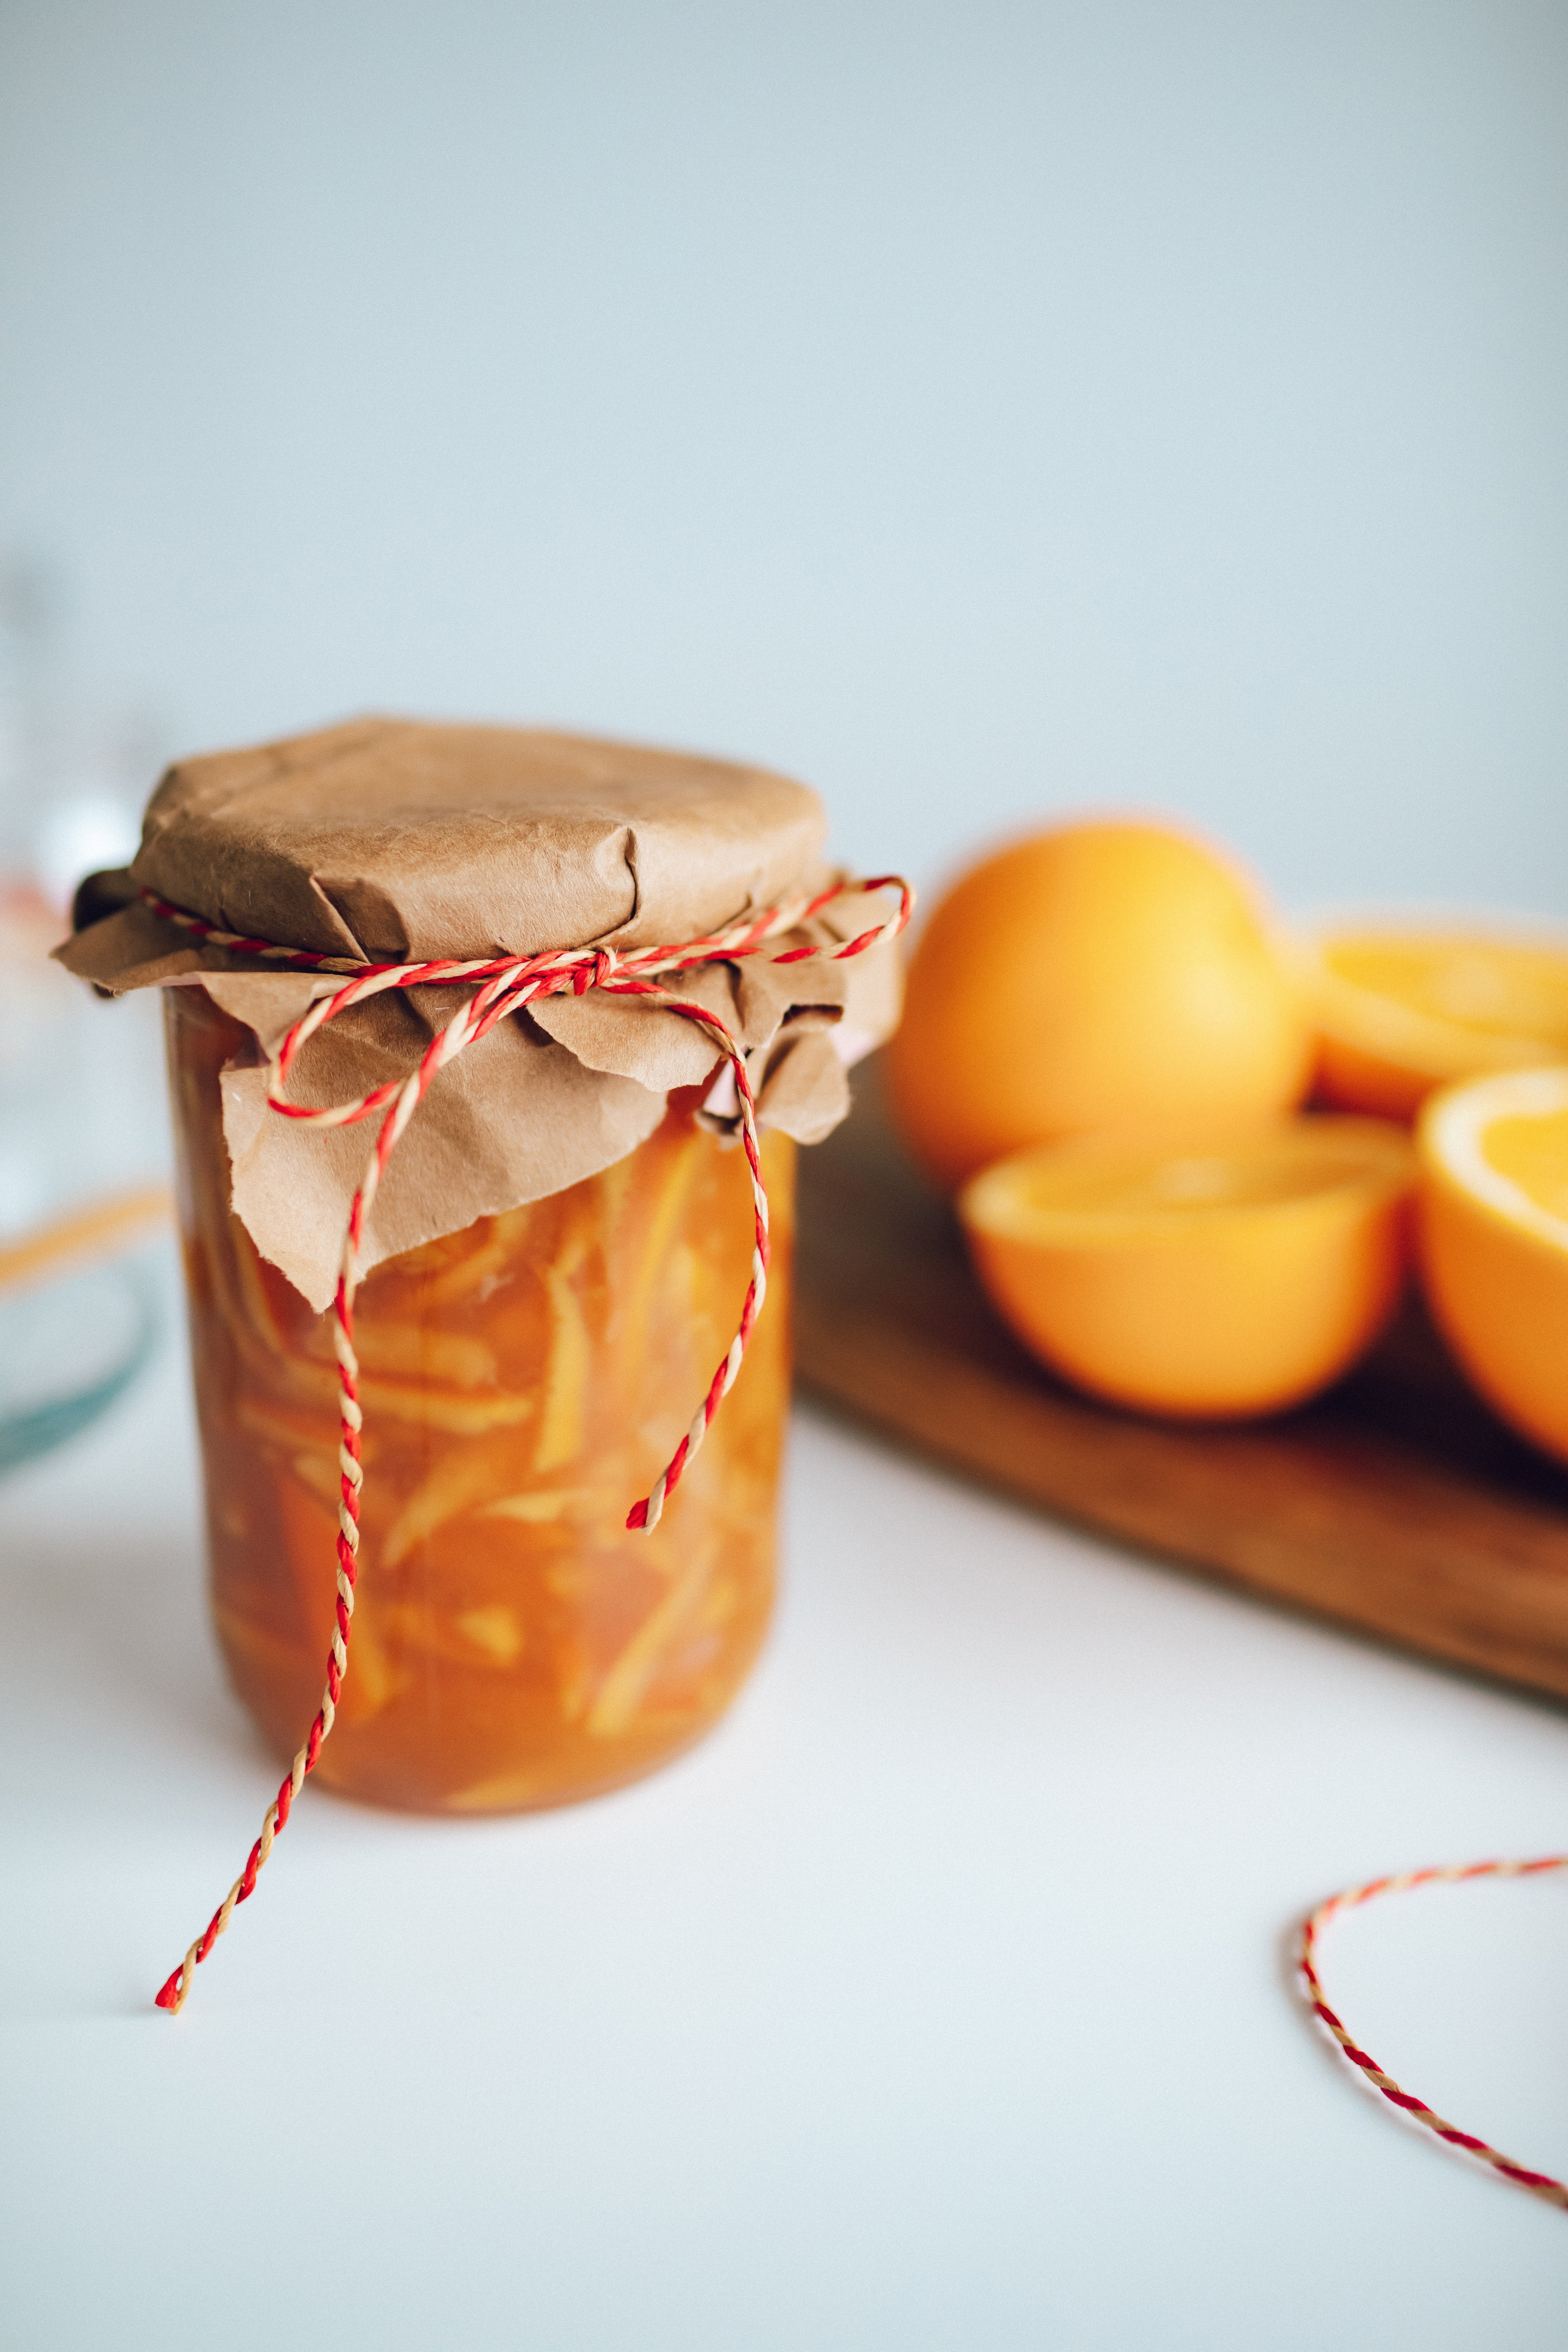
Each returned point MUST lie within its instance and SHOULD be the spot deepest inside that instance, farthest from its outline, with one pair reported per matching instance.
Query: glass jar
(523, 1382)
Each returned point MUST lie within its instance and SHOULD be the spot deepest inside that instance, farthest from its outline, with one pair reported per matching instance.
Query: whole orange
(1101, 973)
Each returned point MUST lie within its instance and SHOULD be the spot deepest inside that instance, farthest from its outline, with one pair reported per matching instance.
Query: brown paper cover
(389, 840)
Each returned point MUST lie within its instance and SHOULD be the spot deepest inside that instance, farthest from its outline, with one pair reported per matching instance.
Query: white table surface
(939, 1999)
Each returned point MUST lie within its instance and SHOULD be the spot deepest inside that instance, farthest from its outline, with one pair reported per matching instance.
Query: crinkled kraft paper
(390, 841)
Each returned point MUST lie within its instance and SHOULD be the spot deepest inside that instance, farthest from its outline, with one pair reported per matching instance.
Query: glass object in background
(67, 1348)
(514, 1646)
(81, 1164)
(81, 1088)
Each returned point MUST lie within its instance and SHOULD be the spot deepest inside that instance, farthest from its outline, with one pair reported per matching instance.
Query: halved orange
(1494, 1241)
(1402, 1012)
(1209, 1272)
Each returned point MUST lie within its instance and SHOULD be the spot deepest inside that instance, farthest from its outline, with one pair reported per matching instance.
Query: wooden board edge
(850, 1370)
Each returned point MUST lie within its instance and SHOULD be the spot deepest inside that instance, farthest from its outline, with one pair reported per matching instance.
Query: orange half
(1209, 1272)
(1401, 1013)
(1494, 1241)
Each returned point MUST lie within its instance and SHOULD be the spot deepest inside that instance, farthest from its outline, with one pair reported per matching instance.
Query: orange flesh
(1495, 987)
(1195, 1185)
(1533, 1153)
(524, 1383)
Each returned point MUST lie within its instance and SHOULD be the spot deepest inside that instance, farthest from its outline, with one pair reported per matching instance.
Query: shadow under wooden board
(1396, 1504)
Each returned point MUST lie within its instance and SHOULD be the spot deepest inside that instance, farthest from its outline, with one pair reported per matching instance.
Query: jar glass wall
(523, 1382)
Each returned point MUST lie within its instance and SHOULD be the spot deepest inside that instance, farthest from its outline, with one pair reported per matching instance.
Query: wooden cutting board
(1395, 1504)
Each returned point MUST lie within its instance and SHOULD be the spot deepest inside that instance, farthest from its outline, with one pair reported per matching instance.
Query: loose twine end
(1538, 2184)
(502, 985)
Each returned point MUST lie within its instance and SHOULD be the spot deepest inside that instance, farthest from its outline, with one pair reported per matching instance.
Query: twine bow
(502, 985)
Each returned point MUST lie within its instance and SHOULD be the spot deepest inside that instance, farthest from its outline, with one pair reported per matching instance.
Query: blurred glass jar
(83, 1156)
(514, 1644)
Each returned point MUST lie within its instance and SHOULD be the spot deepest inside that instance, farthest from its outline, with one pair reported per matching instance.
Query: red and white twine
(502, 985)
(1538, 2184)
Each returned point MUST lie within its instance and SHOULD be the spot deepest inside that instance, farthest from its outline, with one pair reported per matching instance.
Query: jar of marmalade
(555, 1258)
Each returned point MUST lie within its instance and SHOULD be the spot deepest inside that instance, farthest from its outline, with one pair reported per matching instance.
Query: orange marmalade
(523, 1382)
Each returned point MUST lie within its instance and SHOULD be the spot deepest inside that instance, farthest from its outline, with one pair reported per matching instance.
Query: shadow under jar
(523, 1382)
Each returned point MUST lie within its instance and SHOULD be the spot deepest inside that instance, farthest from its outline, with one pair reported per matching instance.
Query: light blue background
(979, 410)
